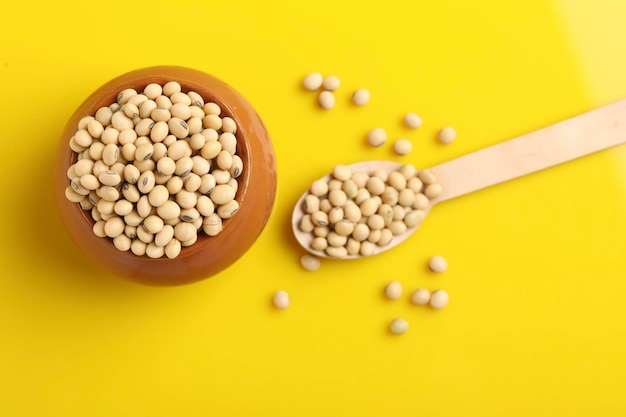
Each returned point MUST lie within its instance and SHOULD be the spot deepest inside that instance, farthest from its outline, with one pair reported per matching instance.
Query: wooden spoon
(573, 138)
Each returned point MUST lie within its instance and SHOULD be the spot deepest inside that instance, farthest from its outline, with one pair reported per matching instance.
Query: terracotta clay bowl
(210, 254)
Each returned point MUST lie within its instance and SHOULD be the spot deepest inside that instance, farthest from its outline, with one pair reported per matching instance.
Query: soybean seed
(331, 83)
(222, 194)
(312, 81)
(420, 296)
(438, 264)
(361, 97)
(447, 135)
(326, 100)
(393, 290)
(412, 120)
(399, 326)
(402, 146)
(281, 300)
(173, 248)
(171, 87)
(310, 262)
(229, 125)
(439, 299)
(376, 137)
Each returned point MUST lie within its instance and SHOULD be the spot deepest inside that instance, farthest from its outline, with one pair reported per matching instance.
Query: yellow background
(535, 324)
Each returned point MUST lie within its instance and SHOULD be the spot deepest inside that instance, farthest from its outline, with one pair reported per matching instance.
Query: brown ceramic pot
(210, 254)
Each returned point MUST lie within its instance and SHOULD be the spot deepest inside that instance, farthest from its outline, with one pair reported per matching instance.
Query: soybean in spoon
(573, 138)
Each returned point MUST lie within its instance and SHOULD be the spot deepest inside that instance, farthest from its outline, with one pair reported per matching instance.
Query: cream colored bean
(374, 236)
(406, 198)
(153, 224)
(447, 135)
(367, 248)
(399, 326)
(211, 149)
(128, 152)
(353, 247)
(196, 99)
(312, 81)
(114, 227)
(99, 167)
(397, 180)
(110, 135)
(123, 207)
(336, 240)
(83, 167)
(180, 98)
(200, 166)
(165, 236)
(360, 179)
(377, 137)
(331, 83)
(72, 195)
(393, 290)
(421, 202)
(310, 262)
(120, 121)
(103, 115)
(163, 101)
(187, 200)
(133, 219)
(228, 210)
(131, 192)
(146, 182)
(89, 182)
(144, 128)
(427, 177)
(229, 125)
(178, 127)
(84, 121)
(207, 183)
(412, 120)
(192, 182)
(306, 225)
(96, 150)
(144, 235)
(375, 222)
(433, 191)
(212, 224)
(281, 300)
(397, 227)
(174, 185)
(144, 208)
(122, 243)
(144, 152)
(158, 196)
(361, 97)
(311, 204)
(438, 264)
(222, 194)
(318, 218)
(110, 154)
(205, 205)
(375, 185)
(415, 184)
(325, 205)
(334, 184)
(153, 90)
(180, 110)
(98, 229)
(414, 218)
(402, 146)
(212, 108)
(131, 111)
(335, 215)
(361, 232)
(228, 141)
(319, 243)
(341, 172)
(420, 296)
(197, 141)
(125, 95)
(212, 121)
(160, 114)
(138, 247)
(184, 166)
(336, 251)
(319, 188)
(146, 108)
(168, 210)
(390, 196)
(173, 249)
(109, 177)
(352, 212)
(95, 128)
(171, 87)
(178, 149)
(154, 251)
(380, 173)
(326, 100)
(344, 227)
(337, 198)
(189, 215)
(385, 211)
(350, 188)
(184, 231)
(439, 299)
(369, 207)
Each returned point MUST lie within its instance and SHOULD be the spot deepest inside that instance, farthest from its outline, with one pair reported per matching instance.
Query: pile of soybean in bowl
(354, 212)
(156, 168)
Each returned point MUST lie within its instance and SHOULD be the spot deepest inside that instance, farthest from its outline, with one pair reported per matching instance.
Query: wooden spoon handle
(582, 135)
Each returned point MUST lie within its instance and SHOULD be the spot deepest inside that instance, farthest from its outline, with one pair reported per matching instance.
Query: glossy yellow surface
(535, 324)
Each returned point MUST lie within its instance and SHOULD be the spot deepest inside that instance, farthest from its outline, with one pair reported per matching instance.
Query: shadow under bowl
(210, 254)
